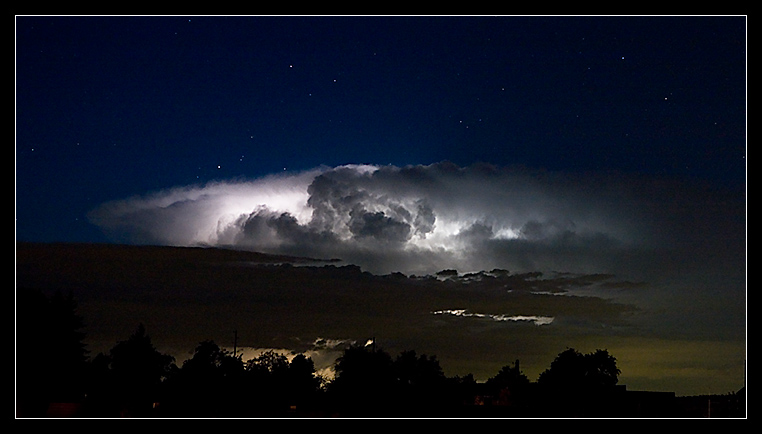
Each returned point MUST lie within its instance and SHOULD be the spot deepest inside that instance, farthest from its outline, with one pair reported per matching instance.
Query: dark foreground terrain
(113, 331)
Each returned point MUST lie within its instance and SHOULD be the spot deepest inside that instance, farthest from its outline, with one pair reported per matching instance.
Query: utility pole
(235, 342)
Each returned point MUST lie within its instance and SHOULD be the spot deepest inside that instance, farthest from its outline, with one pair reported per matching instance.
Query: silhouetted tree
(602, 369)
(268, 378)
(369, 383)
(137, 371)
(66, 336)
(509, 377)
(421, 385)
(50, 355)
(101, 396)
(462, 389)
(301, 383)
(207, 385)
(364, 381)
(208, 360)
(580, 384)
(274, 363)
(418, 372)
(508, 388)
(571, 369)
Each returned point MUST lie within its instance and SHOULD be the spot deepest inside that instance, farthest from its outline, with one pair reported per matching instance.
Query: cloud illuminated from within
(410, 219)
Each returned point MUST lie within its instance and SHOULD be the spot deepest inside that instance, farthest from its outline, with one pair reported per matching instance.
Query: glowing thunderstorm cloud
(410, 219)
(673, 247)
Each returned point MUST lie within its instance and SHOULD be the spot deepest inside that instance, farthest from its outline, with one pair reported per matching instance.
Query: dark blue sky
(109, 107)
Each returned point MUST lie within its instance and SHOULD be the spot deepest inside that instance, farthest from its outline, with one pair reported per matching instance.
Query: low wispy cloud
(536, 319)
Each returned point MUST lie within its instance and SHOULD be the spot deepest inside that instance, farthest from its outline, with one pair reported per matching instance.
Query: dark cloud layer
(186, 295)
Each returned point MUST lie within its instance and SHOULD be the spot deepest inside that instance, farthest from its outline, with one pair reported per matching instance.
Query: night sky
(558, 144)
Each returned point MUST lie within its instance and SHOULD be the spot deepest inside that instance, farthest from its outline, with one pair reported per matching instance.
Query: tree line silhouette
(55, 376)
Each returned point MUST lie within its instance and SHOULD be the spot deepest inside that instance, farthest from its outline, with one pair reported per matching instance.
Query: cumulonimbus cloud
(410, 219)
